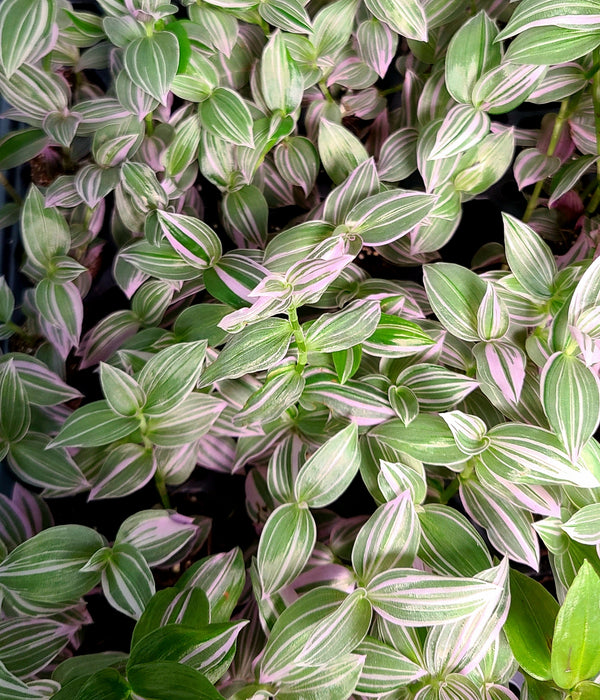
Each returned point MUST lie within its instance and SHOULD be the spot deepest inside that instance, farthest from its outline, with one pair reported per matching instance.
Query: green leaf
(464, 127)
(330, 470)
(576, 644)
(151, 62)
(18, 147)
(127, 581)
(332, 27)
(24, 25)
(396, 337)
(123, 394)
(571, 14)
(127, 468)
(185, 423)
(343, 329)
(47, 567)
(427, 438)
(530, 624)
(106, 684)
(341, 152)
(166, 680)
(282, 84)
(44, 230)
(286, 543)
(194, 240)
(15, 413)
(545, 46)
(93, 425)
(170, 375)
(406, 17)
(288, 15)
(226, 115)
(471, 53)
(330, 682)
(256, 348)
(385, 668)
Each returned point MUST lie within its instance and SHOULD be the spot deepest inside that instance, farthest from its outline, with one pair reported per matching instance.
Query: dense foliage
(234, 162)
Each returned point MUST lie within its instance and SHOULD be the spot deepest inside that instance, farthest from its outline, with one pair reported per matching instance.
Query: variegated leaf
(126, 469)
(151, 63)
(405, 18)
(463, 127)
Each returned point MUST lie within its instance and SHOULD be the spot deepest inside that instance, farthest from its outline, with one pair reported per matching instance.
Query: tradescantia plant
(235, 167)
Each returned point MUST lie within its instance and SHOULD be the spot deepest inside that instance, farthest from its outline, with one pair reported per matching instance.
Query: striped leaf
(469, 431)
(385, 217)
(501, 367)
(226, 115)
(24, 24)
(32, 461)
(385, 669)
(160, 261)
(396, 337)
(344, 329)
(44, 230)
(427, 439)
(508, 527)
(127, 468)
(27, 644)
(531, 455)
(407, 474)
(571, 173)
(123, 394)
(297, 161)
(132, 97)
(258, 347)
(338, 633)
(571, 399)
(531, 166)
(93, 425)
(245, 216)
(449, 543)
(13, 688)
(404, 403)
(284, 465)
(151, 63)
(127, 582)
(195, 242)
(222, 577)
(506, 86)
(329, 471)
(493, 318)
(288, 15)
(413, 598)
(529, 257)
(282, 388)
(187, 608)
(18, 147)
(471, 53)
(398, 154)
(544, 46)
(340, 151)
(170, 375)
(484, 164)
(335, 680)
(436, 388)
(332, 27)
(390, 538)
(285, 545)
(106, 336)
(281, 79)
(453, 687)
(360, 184)
(376, 45)
(163, 680)
(584, 526)
(47, 567)
(572, 14)
(462, 128)
(140, 181)
(455, 294)
(15, 413)
(187, 422)
(405, 18)
(587, 293)
(158, 535)
(561, 81)
(60, 306)
(233, 278)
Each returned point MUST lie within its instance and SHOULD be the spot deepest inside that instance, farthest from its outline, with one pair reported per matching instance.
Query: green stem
(300, 339)
(10, 189)
(390, 90)
(561, 118)
(149, 124)
(450, 490)
(595, 200)
(17, 330)
(161, 487)
(325, 91)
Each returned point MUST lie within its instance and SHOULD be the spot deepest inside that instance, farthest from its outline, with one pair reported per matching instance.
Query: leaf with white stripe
(12, 688)
(531, 166)
(15, 413)
(127, 581)
(531, 455)
(24, 24)
(344, 329)
(28, 644)
(455, 294)
(471, 53)
(566, 178)
(529, 257)
(376, 45)
(509, 528)
(44, 231)
(151, 63)
(396, 337)
(584, 526)
(407, 474)
(405, 18)
(245, 215)
(341, 152)
(93, 425)
(427, 439)
(47, 567)
(436, 388)
(159, 535)
(561, 81)
(385, 217)
(501, 367)
(404, 403)
(390, 538)
(330, 470)
(127, 468)
(571, 14)
(385, 669)
(226, 115)
(462, 128)
(281, 79)
(360, 184)
(160, 261)
(222, 577)
(285, 545)
(196, 242)
(282, 388)
(187, 422)
(415, 598)
(450, 545)
(506, 86)
(571, 398)
(289, 15)
(233, 278)
(398, 154)
(123, 394)
(335, 680)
